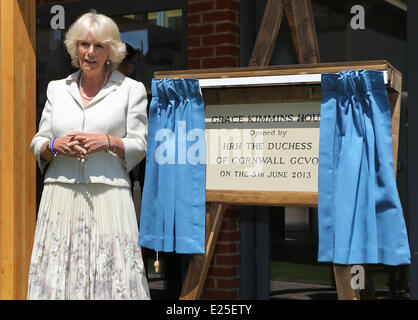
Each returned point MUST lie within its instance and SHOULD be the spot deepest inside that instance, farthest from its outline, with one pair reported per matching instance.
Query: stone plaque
(263, 146)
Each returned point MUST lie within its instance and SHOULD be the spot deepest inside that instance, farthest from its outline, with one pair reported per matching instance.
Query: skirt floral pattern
(85, 245)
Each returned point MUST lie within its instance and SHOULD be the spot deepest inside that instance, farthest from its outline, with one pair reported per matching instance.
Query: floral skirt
(85, 245)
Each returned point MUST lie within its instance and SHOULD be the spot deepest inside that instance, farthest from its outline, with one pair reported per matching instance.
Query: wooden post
(17, 127)
(394, 97)
(343, 278)
(267, 34)
(302, 26)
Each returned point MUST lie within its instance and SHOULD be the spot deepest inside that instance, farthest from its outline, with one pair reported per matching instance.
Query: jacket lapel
(72, 87)
(115, 80)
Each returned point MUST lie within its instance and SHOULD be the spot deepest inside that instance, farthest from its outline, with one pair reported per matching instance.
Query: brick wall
(213, 33)
(214, 42)
(224, 276)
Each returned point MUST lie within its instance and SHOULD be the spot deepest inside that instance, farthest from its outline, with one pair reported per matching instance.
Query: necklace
(81, 84)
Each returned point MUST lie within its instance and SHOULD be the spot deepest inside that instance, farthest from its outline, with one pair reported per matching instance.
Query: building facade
(200, 34)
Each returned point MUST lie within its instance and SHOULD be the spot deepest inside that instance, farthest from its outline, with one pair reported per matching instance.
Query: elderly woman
(92, 132)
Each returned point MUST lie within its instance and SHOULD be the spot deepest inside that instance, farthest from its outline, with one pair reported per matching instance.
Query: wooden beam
(329, 67)
(199, 263)
(266, 198)
(394, 97)
(267, 34)
(17, 127)
(302, 26)
(343, 278)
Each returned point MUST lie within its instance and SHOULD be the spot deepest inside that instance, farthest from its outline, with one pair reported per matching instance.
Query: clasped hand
(80, 144)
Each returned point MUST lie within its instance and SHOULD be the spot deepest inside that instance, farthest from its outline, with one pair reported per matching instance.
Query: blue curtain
(360, 217)
(173, 199)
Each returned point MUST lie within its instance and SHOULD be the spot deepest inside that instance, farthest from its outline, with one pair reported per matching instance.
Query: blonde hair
(103, 29)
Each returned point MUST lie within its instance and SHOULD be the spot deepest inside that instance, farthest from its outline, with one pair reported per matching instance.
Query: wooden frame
(297, 91)
(290, 92)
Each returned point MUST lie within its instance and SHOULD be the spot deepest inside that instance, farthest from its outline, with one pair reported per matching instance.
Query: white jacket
(119, 109)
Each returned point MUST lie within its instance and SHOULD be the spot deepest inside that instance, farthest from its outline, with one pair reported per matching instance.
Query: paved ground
(282, 290)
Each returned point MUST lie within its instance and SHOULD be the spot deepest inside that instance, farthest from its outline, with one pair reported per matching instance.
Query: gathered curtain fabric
(173, 199)
(360, 218)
